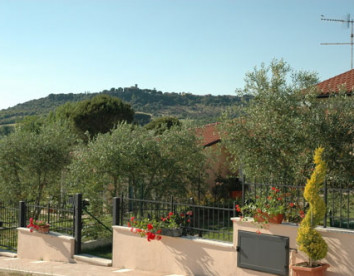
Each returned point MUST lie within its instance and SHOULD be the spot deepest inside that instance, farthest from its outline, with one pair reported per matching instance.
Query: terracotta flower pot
(43, 229)
(299, 270)
(276, 219)
(236, 194)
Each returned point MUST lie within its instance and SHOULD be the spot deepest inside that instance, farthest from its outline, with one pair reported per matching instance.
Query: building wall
(218, 164)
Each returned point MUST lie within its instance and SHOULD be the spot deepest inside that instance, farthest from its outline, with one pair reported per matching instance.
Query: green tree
(100, 114)
(275, 132)
(160, 125)
(32, 162)
(134, 158)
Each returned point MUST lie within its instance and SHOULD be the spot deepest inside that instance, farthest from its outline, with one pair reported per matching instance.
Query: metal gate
(8, 227)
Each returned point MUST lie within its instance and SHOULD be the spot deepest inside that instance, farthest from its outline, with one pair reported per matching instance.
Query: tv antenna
(347, 21)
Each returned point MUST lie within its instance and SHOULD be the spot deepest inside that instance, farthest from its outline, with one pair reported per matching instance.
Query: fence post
(243, 190)
(22, 214)
(48, 213)
(116, 211)
(77, 222)
(172, 205)
(325, 200)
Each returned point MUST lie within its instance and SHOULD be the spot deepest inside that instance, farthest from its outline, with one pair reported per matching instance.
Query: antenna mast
(351, 43)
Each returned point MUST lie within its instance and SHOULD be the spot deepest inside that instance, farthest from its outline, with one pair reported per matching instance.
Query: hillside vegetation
(181, 105)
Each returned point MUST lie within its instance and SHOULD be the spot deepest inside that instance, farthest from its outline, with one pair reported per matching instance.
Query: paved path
(8, 264)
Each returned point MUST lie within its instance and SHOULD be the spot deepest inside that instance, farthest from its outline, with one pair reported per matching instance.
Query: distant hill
(205, 108)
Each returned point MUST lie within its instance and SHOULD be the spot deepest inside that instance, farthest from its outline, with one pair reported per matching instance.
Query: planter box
(50, 247)
(172, 232)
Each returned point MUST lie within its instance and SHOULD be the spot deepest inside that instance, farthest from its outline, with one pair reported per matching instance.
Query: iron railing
(211, 222)
(339, 201)
(8, 227)
(61, 220)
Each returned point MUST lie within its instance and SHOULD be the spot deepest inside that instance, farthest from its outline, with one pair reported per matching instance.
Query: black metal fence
(211, 222)
(8, 227)
(61, 220)
(339, 201)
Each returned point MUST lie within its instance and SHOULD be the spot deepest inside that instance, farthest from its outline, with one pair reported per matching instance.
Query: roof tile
(335, 84)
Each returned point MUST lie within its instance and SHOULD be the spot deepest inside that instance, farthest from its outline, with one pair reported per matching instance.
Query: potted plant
(38, 225)
(145, 227)
(309, 239)
(170, 225)
(272, 206)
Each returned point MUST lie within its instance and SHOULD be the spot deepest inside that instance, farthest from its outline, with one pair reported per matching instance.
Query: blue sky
(196, 46)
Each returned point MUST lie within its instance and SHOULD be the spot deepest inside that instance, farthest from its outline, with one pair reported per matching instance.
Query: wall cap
(287, 224)
(53, 234)
(195, 239)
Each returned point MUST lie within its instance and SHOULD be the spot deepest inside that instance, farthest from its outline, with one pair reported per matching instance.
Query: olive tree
(276, 132)
(136, 160)
(32, 162)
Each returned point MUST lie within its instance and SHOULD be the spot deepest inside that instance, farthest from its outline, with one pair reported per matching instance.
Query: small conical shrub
(309, 239)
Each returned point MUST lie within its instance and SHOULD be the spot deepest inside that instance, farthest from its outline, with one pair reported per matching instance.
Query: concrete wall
(340, 242)
(186, 256)
(193, 256)
(46, 247)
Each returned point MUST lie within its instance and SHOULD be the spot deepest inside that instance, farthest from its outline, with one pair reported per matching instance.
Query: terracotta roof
(336, 83)
(209, 134)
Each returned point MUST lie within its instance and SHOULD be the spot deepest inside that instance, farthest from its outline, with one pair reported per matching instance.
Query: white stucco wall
(47, 247)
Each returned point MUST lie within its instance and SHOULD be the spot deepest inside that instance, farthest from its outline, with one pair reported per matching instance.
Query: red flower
(302, 214)
(150, 226)
(238, 209)
(132, 218)
(158, 231)
(189, 213)
(129, 224)
(150, 236)
(292, 204)
(188, 220)
(170, 213)
(279, 198)
(273, 188)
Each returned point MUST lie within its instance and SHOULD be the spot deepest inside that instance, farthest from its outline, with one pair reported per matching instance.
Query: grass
(102, 251)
